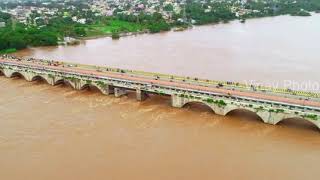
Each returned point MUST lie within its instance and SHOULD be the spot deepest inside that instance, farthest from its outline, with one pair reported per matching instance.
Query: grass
(113, 26)
(8, 51)
(122, 26)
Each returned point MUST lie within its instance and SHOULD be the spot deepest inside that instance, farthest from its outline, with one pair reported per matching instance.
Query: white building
(82, 21)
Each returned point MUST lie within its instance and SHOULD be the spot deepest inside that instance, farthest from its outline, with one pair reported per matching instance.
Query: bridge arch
(244, 112)
(199, 103)
(39, 77)
(300, 121)
(64, 81)
(88, 86)
(18, 74)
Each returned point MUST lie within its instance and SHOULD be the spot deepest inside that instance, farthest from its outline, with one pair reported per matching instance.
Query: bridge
(271, 105)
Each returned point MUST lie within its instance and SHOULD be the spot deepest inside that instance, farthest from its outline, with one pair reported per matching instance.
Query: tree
(168, 8)
(80, 31)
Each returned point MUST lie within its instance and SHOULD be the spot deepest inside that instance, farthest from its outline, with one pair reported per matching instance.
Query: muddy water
(280, 51)
(57, 133)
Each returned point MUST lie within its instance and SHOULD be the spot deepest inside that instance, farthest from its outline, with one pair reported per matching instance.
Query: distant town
(26, 23)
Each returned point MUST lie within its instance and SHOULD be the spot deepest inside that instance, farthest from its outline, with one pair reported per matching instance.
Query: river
(55, 132)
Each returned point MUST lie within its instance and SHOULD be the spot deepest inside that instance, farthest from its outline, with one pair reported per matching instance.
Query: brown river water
(53, 132)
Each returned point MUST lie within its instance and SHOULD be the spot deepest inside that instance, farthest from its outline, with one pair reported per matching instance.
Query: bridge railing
(75, 74)
(185, 79)
(215, 83)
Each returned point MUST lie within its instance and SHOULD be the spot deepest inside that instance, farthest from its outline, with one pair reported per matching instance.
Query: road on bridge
(254, 95)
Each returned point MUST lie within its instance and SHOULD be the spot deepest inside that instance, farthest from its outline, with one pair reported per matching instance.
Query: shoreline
(110, 34)
(127, 34)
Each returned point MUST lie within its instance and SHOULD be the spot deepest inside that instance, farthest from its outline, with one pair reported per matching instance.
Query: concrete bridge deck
(271, 107)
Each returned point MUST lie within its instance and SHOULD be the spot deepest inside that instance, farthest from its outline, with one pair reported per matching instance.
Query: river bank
(110, 35)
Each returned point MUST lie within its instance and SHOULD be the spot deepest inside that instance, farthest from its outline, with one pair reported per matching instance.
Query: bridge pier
(119, 92)
(50, 81)
(141, 95)
(177, 101)
(108, 89)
